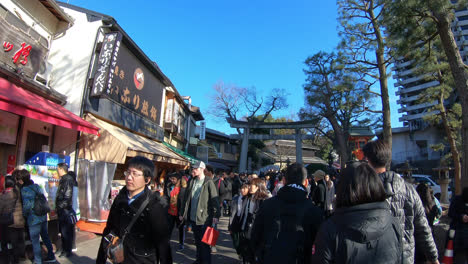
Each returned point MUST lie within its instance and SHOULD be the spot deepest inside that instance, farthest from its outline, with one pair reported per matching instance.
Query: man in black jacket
(225, 193)
(405, 204)
(291, 212)
(64, 208)
(319, 194)
(147, 242)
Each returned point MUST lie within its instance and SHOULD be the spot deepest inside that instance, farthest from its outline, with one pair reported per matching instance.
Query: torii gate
(297, 126)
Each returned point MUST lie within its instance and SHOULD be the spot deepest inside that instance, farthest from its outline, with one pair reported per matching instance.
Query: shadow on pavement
(225, 252)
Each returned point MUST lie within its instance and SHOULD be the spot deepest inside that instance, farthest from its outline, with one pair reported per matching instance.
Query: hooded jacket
(365, 233)
(407, 207)
(289, 195)
(148, 240)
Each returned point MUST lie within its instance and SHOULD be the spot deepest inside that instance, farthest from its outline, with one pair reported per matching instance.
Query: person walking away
(426, 194)
(17, 229)
(405, 204)
(64, 208)
(320, 190)
(238, 205)
(176, 192)
(147, 242)
(286, 225)
(257, 194)
(362, 229)
(225, 193)
(9, 199)
(279, 185)
(201, 209)
(458, 212)
(329, 196)
(37, 224)
(236, 183)
(432, 212)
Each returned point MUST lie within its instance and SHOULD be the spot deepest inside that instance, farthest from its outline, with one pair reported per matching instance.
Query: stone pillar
(444, 183)
(298, 146)
(244, 149)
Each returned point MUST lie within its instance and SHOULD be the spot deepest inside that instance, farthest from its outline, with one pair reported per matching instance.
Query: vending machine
(43, 170)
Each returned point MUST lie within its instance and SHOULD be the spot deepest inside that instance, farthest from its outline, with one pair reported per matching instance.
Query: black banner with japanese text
(107, 61)
(135, 87)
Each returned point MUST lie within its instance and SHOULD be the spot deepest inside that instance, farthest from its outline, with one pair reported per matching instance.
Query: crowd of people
(19, 213)
(365, 215)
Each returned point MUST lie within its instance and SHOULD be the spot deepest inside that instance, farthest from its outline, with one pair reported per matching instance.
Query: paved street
(88, 244)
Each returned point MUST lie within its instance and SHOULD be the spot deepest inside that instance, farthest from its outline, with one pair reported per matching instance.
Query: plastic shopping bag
(210, 236)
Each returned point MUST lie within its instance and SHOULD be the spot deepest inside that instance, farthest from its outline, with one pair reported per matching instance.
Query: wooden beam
(273, 137)
(271, 125)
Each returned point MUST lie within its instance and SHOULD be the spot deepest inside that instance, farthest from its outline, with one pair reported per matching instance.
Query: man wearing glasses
(201, 209)
(148, 239)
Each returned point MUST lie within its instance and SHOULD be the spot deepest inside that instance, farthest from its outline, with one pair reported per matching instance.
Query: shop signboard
(126, 80)
(135, 87)
(20, 50)
(106, 63)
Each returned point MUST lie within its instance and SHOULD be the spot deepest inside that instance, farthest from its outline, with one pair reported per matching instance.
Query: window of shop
(34, 144)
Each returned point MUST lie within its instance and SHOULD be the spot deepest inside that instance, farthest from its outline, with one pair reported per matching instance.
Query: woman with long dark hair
(257, 194)
(428, 200)
(362, 229)
(432, 212)
(175, 192)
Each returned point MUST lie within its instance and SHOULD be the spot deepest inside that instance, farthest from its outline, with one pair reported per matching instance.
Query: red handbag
(210, 236)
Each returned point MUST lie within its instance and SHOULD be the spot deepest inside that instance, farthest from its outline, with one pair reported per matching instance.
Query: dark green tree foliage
(364, 43)
(417, 25)
(428, 60)
(334, 97)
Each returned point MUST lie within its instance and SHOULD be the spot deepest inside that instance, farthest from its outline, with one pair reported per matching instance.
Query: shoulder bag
(41, 206)
(114, 244)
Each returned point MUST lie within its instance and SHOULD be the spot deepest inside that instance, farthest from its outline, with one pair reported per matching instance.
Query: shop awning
(17, 100)
(184, 154)
(115, 144)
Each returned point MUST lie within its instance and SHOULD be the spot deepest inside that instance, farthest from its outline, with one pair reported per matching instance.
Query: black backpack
(41, 206)
(285, 242)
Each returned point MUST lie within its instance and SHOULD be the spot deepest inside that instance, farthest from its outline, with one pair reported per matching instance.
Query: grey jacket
(208, 203)
(407, 207)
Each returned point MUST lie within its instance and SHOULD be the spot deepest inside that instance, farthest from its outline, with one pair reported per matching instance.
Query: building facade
(112, 84)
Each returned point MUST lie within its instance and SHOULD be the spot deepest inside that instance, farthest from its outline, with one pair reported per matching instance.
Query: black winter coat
(291, 195)
(225, 190)
(458, 208)
(63, 200)
(365, 233)
(319, 195)
(406, 205)
(236, 184)
(148, 240)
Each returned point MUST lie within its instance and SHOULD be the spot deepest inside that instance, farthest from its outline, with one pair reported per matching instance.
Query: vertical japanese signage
(107, 63)
(175, 120)
(169, 105)
(202, 130)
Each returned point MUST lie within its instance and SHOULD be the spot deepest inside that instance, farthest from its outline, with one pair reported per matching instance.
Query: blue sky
(261, 43)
